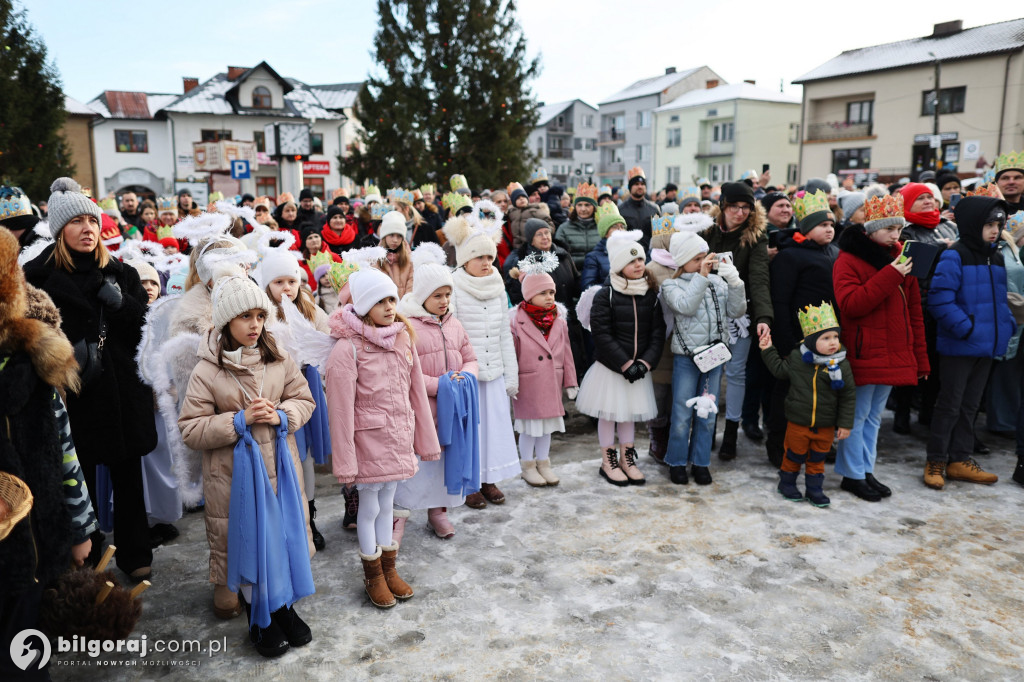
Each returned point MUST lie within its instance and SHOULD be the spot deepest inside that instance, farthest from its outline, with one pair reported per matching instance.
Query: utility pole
(935, 119)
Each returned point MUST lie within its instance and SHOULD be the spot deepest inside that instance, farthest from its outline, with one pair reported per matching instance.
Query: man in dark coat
(637, 210)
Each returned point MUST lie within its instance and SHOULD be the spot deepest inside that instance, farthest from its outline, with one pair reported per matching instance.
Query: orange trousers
(807, 444)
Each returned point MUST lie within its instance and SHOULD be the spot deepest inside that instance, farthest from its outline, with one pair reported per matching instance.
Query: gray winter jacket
(689, 298)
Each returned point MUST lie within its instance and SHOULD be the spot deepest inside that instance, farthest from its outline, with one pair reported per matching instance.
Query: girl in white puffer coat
(481, 305)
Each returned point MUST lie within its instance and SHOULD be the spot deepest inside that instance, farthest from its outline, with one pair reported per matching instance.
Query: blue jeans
(855, 456)
(736, 377)
(690, 438)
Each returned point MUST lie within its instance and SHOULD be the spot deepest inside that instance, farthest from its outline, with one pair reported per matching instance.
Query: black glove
(641, 369)
(109, 295)
(633, 372)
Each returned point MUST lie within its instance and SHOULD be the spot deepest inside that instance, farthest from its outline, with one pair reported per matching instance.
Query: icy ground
(661, 582)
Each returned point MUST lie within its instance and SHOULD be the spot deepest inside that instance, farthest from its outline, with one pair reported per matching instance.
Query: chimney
(669, 70)
(713, 83)
(947, 28)
(236, 71)
(189, 83)
(750, 80)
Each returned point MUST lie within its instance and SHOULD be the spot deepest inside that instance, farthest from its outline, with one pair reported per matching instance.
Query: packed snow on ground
(660, 582)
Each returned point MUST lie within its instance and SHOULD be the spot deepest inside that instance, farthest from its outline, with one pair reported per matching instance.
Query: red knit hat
(911, 191)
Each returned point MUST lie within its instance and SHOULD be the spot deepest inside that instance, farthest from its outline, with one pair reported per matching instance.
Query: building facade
(627, 121)
(77, 133)
(872, 112)
(565, 142)
(721, 132)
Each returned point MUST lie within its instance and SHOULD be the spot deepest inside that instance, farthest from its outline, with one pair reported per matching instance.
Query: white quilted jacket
(481, 306)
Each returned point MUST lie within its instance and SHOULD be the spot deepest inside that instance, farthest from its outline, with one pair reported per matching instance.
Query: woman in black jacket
(103, 306)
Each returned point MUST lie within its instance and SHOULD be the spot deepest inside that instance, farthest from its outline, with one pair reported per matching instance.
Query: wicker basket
(15, 493)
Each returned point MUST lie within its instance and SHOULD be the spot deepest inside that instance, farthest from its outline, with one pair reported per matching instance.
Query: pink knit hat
(536, 283)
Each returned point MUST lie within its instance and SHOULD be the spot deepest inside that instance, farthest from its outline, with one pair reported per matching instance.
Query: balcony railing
(706, 148)
(560, 129)
(559, 154)
(612, 167)
(837, 130)
(612, 136)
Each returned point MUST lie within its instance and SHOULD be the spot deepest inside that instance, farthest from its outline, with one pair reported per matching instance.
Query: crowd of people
(424, 346)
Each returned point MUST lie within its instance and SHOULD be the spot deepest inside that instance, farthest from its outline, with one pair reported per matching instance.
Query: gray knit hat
(850, 202)
(66, 202)
(234, 294)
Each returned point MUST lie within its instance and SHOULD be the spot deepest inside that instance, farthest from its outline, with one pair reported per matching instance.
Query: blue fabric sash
(315, 434)
(458, 423)
(262, 524)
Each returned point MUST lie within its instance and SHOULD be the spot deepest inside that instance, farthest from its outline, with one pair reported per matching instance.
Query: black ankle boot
(728, 449)
(294, 628)
(270, 641)
(1018, 473)
(901, 422)
(318, 539)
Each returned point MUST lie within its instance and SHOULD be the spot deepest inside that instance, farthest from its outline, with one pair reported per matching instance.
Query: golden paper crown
(814, 319)
(339, 273)
(87, 191)
(164, 232)
(216, 196)
(689, 192)
(398, 194)
(805, 203)
(339, 193)
(888, 208)
(512, 186)
(427, 189)
(166, 205)
(370, 190)
(454, 202)
(417, 195)
(585, 191)
(378, 210)
(635, 172)
(1010, 161)
(459, 183)
(987, 189)
(1015, 222)
(538, 175)
(284, 198)
(605, 189)
(661, 224)
(107, 203)
(318, 259)
(13, 203)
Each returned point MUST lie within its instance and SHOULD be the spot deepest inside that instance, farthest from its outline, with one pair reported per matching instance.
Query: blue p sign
(240, 169)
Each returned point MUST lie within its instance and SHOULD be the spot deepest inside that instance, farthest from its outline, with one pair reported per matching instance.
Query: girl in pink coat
(541, 337)
(377, 401)
(443, 346)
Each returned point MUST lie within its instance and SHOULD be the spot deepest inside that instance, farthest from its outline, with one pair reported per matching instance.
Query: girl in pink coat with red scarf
(541, 337)
(377, 401)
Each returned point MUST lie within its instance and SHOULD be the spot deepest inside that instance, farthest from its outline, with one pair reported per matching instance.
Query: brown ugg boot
(399, 588)
(225, 603)
(373, 580)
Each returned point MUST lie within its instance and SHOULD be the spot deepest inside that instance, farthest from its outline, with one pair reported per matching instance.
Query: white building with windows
(626, 135)
(144, 141)
(565, 142)
(720, 132)
(871, 112)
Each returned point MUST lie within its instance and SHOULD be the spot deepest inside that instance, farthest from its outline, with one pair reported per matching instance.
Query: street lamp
(935, 118)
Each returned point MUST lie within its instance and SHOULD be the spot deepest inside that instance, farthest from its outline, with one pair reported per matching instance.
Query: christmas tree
(451, 96)
(33, 151)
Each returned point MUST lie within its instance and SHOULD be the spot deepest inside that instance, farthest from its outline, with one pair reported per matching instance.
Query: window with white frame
(672, 174)
(587, 121)
(643, 119)
(720, 172)
(722, 132)
(643, 152)
(674, 137)
(794, 133)
(791, 173)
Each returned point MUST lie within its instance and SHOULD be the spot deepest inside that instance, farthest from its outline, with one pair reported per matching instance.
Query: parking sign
(240, 169)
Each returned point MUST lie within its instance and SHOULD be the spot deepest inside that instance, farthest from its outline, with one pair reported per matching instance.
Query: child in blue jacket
(968, 300)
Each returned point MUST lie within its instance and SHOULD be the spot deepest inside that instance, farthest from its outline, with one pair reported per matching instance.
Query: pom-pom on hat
(429, 271)
(393, 222)
(369, 286)
(234, 294)
(883, 211)
(469, 242)
(66, 202)
(623, 248)
(607, 217)
(684, 246)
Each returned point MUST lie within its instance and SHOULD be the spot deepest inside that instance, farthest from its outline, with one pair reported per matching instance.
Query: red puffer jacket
(880, 310)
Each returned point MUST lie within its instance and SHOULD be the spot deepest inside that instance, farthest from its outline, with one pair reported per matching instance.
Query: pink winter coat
(443, 347)
(545, 367)
(377, 402)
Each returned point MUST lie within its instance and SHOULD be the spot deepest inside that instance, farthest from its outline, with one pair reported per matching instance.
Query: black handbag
(89, 355)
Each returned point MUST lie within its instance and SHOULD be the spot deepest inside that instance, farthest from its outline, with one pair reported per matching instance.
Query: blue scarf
(829, 362)
(262, 524)
(315, 434)
(458, 423)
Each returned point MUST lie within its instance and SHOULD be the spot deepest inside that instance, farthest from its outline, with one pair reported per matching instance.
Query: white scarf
(629, 287)
(481, 288)
(829, 362)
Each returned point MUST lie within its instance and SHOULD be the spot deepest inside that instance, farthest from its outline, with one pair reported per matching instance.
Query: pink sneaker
(437, 517)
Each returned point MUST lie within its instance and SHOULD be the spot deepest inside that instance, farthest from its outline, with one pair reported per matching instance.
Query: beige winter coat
(206, 422)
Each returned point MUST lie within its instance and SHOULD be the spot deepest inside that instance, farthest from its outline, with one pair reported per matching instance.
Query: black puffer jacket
(112, 418)
(626, 328)
(801, 275)
(637, 215)
(567, 279)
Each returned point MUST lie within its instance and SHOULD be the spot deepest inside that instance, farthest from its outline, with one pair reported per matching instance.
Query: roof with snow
(650, 86)
(727, 93)
(337, 96)
(548, 111)
(130, 105)
(1006, 36)
(73, 106)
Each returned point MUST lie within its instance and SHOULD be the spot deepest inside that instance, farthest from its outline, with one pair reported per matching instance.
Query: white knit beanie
(685, 245)
(217, 250)
(147, 273)
(428, 278)
(66, 202)
(623, 247)
(393, 222)
(477, 244)
(369, 286)
(234, 294)
(278, 263)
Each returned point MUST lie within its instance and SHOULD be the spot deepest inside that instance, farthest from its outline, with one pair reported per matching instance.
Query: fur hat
(234, 294)
(623, 248)
(429, 272)
(66, 202)
(369, 286)
(278, 263)
(393, 222)
(685, 245)
(469, 242)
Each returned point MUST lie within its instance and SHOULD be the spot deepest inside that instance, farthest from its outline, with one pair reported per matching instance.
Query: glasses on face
(738, 208)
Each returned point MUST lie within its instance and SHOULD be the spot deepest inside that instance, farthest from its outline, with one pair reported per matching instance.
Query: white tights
(606, 433)
(309, 477)
(376, 516)
(528, 445)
